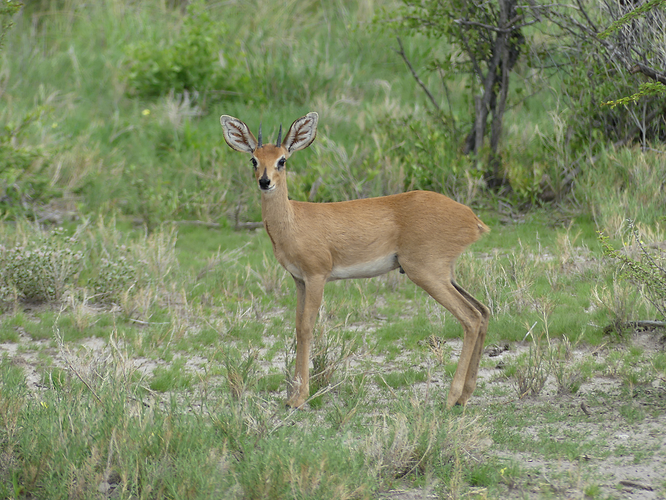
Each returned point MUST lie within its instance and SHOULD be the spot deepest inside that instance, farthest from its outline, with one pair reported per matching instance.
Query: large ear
(237, 134)
(301, 133)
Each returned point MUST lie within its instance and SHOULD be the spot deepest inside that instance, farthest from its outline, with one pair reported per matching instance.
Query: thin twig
(416, 76)
(634, 484)
(529, 331)
(448, 100)
(71, 367)
(141, 322)
(495, 29)
(387, 385)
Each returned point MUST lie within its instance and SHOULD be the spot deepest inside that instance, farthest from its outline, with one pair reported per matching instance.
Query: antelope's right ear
(301, 133)
(237, 134)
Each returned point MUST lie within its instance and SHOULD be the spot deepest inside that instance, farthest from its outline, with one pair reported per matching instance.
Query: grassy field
(177, 389)
(147, 346)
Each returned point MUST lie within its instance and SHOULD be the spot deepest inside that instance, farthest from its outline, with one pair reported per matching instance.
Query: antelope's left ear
(301, 133)
(237, 134)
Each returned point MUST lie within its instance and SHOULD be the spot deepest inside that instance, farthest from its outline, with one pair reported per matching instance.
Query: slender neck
(276, 211)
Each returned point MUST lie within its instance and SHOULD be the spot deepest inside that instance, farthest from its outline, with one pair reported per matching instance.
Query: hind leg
(471, 319)
(473, 370)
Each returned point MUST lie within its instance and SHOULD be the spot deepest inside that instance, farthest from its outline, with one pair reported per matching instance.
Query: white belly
(369, 269)
(293, 270)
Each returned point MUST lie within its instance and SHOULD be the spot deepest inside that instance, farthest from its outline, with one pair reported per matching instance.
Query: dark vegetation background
(111, 107)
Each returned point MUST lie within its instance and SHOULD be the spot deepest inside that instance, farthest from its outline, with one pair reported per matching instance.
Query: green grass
(171, 378)
(270, 383)
(156, 294)
(138, 447)
(403, 379)
(192, 437)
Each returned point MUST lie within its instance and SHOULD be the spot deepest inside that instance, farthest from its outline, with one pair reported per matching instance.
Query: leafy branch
(645, 272)
(630, 16)
(646, 89)
(7, 10)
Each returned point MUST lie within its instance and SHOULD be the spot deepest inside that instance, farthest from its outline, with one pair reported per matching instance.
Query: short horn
(279, 140)
(259, 138)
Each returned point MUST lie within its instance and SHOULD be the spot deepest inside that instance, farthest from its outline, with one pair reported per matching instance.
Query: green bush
(39, 269)
(117, 275)
(428, 156)
(7, 11)
(593, 82)
(22, 180)
(646, 271)
(194, 60)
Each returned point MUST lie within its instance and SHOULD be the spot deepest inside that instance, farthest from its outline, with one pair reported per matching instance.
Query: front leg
(294, 385)
(309, 295)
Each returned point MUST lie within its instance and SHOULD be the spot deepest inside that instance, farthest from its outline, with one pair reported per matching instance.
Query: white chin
(269, 189)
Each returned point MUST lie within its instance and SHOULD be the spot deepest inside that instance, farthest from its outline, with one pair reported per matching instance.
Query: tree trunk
(493, 176)
(505, 54)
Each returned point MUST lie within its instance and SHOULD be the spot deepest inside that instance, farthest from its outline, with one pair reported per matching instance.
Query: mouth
(268, 189)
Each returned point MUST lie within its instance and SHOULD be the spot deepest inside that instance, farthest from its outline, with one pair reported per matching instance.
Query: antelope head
(269, 160)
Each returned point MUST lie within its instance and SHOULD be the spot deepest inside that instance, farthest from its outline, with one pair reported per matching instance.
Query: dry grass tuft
(241, 372)
(531, 371)
(410, 443)
(331, 352)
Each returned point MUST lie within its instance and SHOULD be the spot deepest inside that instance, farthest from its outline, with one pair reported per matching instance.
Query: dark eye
(281, 163)
(254, 162)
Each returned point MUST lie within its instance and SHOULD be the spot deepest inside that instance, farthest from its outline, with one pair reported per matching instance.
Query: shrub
(22, 182)
(646, 271)
(530, 370)
(428, 160)
(569, 374)
(605, 68)
(191, 61)
(39, 269)
(242, 371)
(117, 274)
(7, 11)
(122, 269)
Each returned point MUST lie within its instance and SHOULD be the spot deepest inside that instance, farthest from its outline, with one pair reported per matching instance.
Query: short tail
(482, 227)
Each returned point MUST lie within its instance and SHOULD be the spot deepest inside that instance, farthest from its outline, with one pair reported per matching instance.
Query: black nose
(264, 182)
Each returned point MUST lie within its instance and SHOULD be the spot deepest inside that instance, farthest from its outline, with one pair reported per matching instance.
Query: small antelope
(419, 232)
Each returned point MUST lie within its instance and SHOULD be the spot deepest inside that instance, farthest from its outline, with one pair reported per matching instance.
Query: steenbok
(419, 232)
